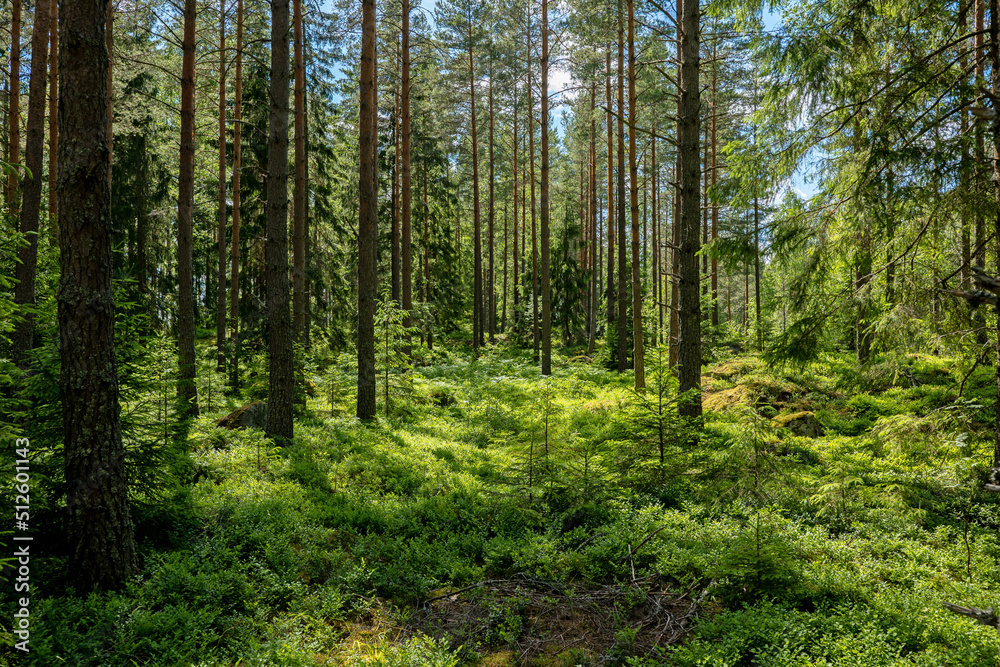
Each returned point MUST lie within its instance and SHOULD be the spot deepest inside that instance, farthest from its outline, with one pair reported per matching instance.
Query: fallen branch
(986, 617)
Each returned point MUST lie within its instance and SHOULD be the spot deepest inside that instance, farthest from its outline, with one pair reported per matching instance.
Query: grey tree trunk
(98, 522)
(187, 390)
(281, 379)
(689, 313)
(367, 216)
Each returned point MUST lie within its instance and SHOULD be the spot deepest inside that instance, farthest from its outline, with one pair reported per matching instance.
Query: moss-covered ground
(763, 547)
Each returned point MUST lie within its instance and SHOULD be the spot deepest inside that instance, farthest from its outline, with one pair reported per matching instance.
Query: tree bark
(14, 107)
(220, 317)
(367, 216)
(534, 231)
(758, 325)
(477, 297)
(406, 185)
(278, 425)
(299, 194)
(31, 192)
(594, 281)
(622, 257)
(995, 130)
(715, 180)
(610, 121)
(53, 122)
(689, 345)
(234, 275)
(187, 390)
(491, 310)
(637, 333)
(516, 262)
(544, 123)
(99, 529)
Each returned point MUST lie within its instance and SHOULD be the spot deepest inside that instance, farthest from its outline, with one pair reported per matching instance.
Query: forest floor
(495, 517)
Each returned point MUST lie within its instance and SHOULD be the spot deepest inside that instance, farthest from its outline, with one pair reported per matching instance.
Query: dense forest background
(681, 319)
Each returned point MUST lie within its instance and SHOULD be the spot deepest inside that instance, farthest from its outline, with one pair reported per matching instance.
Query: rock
(253, 415)
(803, 424)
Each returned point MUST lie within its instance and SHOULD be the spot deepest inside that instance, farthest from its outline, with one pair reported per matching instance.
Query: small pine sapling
(393, 363)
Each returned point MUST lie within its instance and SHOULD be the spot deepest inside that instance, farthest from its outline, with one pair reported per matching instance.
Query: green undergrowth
(836, 550)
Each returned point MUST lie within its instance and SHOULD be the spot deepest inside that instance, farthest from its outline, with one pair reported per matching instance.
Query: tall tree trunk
(281, 380)
(673, 353)
(657, 240)
(427, 262)
(633, 113)
(689, 347)
(477, 297)
(234, 275)
(406, 196)
(995, 129)
(99, 530)
(622, 257)
(110, 82)
(34, 149)
(544, 123)
(367, 215)
(299, 193)
(53, 122)
(491, 310)
(612, 293)
(220, 319)
(516, 263)
(394, 208)
(594, 279)
(715, 180)
(14, 106)
(187, 390)
(758, 325)
(503, 296)
(534, 230)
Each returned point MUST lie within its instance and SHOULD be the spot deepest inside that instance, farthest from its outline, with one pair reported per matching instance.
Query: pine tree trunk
(187, 390)
(234, 274)
(406, 196)
(715, 180)
(758, 325)
(367, 216)
(220, 319)
(995, 130)
(610, 121)
(491, 310)
(299, 193)
(689, 345)
(503, 297)
(516, 263)
(110, 82)
(477, 297)
(675, 237)
(544, 123)
(281, 370)
(31, 188)
(53, 122)
(637, 333)
(396, 285)
(622, 257)
(14, 107)
(534, 231)
(99, 529)
(594, 285)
